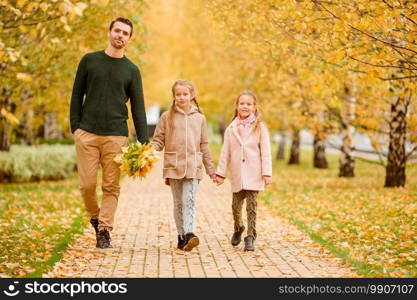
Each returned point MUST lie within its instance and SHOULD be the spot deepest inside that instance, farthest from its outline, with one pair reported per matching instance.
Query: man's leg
(110, 147)
(88, 156)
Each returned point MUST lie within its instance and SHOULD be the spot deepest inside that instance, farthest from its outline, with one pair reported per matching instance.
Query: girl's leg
(189, 191)
(176, 189)
(251, 212)
(237, 203)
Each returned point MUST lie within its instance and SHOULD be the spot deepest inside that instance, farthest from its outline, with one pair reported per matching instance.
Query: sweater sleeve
(224, 155)
(205, 149)
(265, 146)
(77, 96)
(138, 108)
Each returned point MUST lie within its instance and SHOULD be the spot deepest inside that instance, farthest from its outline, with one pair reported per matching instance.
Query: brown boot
(94, 223)
(249, 243)
(103, 239)
(237, 236)
(181, 242)
(191, 241)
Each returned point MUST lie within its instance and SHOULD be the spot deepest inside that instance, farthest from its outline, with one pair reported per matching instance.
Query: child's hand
(219, 180)
(213, 177)
(167, 181)
(267, 179)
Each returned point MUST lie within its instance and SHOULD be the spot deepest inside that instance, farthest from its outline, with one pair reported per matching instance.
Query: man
(107, 79)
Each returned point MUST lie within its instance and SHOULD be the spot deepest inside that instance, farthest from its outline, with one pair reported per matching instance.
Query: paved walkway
(144, 241)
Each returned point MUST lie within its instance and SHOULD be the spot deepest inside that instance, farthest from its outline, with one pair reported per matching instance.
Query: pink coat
(248, 160)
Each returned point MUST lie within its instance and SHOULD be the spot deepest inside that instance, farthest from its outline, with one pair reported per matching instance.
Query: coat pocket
(170, 160)
(199, 160)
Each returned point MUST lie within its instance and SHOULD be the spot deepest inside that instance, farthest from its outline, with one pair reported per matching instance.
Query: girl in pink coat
(247, 153)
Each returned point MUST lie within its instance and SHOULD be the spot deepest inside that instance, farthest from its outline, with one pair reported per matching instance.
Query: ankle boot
(249, 243)
(237, 236)
(191, 241)
(181, 242)
(94, 223)
(103, 239)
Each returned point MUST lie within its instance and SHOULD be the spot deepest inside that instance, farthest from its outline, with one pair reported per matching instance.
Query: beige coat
(186, 144)
(248, 160)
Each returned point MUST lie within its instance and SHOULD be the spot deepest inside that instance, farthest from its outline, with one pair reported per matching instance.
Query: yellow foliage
(9, 116)
(24, 77)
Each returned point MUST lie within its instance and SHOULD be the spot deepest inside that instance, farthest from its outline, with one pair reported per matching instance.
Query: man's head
(120, 32)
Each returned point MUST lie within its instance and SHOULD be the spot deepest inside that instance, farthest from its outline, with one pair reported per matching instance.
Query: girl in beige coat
(182, 131)
(247, 153)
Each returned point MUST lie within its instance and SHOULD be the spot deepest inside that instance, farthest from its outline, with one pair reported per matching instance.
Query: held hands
(213, 177)
(220, 180)
(217, 179)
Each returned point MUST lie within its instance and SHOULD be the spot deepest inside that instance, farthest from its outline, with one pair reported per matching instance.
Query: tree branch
(365, 33)
(411, 152)
(381, 66)
(397, 78)
(33, 23)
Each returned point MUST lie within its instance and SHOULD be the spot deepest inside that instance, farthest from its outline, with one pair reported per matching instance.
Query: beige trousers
(94, 150)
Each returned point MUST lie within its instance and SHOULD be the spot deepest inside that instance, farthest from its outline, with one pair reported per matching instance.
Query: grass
(59, 249)
(37, 222)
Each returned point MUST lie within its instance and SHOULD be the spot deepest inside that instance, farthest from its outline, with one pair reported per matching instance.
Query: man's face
(119, 35)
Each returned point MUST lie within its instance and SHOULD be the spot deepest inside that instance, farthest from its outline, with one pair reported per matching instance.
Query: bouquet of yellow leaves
(137, 159)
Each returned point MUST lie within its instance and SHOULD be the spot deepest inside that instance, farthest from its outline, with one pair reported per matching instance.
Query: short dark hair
(122, 20)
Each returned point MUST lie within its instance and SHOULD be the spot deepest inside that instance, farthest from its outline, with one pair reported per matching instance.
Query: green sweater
(107, 84)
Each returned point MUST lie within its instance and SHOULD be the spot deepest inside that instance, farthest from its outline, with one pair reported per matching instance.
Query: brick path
(144, 240)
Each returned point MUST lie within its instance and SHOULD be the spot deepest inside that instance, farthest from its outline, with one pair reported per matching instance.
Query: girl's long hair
(190, 86)
(255, 100)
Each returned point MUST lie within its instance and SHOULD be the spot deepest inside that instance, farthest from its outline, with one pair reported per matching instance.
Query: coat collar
(193, 109)
(233, 126)
(237, 135)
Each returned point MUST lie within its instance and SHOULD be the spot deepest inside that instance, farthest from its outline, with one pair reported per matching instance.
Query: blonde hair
(188, 84)
(255, 100)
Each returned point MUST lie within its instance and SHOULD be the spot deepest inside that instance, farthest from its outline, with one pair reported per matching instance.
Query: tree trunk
(4, 135)
(52, 129)
(222, 127)
(281, 147)
(27, 119)
(397, 158)
(319, 157)
(295, 149)
(346, 160)
(5, 128)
